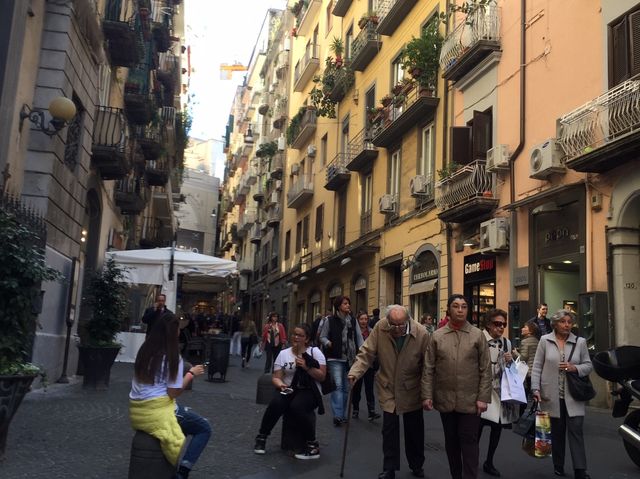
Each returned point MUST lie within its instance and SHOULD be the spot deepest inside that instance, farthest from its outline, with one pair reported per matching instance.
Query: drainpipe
(513, 242)
(445, 126)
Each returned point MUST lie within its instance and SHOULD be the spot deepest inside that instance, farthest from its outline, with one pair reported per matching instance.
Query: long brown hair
(161, 345)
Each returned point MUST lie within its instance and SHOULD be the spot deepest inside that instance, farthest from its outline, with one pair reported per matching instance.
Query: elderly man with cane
(400, 344)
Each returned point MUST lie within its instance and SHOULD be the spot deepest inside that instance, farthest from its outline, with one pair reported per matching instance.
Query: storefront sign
(425, 268)
(479, 267)
(558, 233)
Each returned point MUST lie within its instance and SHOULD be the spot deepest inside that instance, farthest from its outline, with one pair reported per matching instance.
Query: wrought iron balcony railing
(468, 193)
(470, 42)
(604, 132)
(306, 67)
(337, 173)
(365, 47)
(361, 151)
(300, 191)
(304, 129)
(392, 13)
(109, 153)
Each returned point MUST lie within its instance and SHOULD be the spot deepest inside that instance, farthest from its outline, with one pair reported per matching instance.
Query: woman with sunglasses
(498, 415)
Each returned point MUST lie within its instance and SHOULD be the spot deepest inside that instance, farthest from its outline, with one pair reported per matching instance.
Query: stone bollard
(292, 438)
(147, 460)
(265, 389)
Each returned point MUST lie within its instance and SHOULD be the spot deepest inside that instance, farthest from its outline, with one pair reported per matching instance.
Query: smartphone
(286, 391)
(205, 364)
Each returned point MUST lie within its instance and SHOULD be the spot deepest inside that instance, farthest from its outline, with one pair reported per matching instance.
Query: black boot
(183, 472)
(261, 444)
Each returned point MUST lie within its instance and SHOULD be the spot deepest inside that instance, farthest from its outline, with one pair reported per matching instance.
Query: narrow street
(67, 432)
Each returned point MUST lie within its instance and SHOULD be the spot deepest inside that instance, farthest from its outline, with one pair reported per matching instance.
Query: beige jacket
(398, 379)
(457, 372)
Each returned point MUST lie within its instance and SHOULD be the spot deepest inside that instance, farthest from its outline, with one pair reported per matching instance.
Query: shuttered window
(624, 48)
(319, 222)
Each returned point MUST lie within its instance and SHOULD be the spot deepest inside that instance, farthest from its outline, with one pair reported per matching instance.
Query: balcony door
(341, 218)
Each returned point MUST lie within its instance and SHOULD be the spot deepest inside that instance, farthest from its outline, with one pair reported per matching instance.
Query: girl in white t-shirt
(158, 374)
(297, 372)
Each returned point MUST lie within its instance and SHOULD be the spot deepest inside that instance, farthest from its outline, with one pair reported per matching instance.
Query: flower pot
(12, 391)
(487, 194)
(97, 364)
(386, 101)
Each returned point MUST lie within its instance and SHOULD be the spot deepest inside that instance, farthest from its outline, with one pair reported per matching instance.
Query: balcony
(362, 152)
(302, 131)
(130, 195)
(168, 116)
(472, 41)
(149, 139)
(605, 132)
(365, 47)
(109, 151)
(152, 234)
(255, 234)
(120, 35)
(468, 194)
(139, 104)
(276, 167)
(418, 106)
(246, 221)
(392, 13)
(343, 79)
(300, 192)
(157, 171)
(245, 265)
(274, 217)
(341, 7)
(306, 67)
(162, 25)
(337, 173)
(168, 72)
(306, 16)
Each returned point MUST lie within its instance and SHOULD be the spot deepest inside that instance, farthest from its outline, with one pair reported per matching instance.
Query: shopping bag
(522, 369)
(511, 386)
(525, 426)
(493, 408)
(257, 352)
(543, 434)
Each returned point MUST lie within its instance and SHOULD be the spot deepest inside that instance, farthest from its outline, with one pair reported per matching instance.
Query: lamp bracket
(36, 116)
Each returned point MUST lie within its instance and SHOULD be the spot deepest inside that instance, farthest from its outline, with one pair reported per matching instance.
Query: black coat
(151, 315)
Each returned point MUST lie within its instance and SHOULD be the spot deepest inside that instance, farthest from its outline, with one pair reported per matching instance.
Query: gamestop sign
(479, 267)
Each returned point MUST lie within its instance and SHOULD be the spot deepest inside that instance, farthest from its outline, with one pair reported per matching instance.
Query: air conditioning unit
(498, 159)
(274, 197)
(420, 186)
(387, 204)
(546, 159)
(295, 168)
(278, 185)
(282, 143)
(311, 151)
(494, 235)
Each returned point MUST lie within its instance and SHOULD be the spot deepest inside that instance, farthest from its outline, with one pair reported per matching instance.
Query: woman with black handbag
(559, 354)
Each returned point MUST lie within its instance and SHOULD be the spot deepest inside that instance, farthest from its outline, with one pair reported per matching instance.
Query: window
(348, 43)
(319, 222)
(397, 73)
(471, 142)
(624, 47)
(374, 5)
(427, 152)
(394, 174)
(104, 84)
(287, 245)
(329, 16)
(369, 104)
(344, 138)
(323, 150)
(298, 236)
(366, 203)
(305, 232)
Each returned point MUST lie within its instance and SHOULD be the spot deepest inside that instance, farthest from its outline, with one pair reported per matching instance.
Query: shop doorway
(483, 299)
(559, 285)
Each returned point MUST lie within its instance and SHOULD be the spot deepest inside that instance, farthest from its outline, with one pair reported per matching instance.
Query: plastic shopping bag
(257, 353)
(543, 434)
(522, 368)
(511, 386)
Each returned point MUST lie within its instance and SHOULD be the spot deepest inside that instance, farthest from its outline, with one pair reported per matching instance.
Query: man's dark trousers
(413, 423)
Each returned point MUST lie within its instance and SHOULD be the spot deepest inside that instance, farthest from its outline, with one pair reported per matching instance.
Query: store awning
(423, 286)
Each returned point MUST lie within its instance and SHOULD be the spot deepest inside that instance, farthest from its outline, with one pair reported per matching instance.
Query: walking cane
(346, 431)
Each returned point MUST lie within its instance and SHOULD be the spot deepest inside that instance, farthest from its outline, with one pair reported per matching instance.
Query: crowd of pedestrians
(453, 368)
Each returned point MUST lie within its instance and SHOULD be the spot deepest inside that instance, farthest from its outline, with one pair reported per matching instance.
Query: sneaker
(373, 415)
(261, 444)
(355, 414)
(312, 451)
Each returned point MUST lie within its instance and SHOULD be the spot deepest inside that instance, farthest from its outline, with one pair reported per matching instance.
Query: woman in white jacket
(561, 352)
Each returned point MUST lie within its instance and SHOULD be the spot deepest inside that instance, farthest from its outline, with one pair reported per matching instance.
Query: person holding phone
(297, 372)
(154, 313)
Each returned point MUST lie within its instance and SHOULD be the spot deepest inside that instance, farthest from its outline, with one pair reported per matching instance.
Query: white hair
(392, 307)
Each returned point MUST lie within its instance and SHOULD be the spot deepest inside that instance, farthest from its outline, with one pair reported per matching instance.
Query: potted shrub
(337, 47)
(386, 100)
(107, 296)
(370, 17)
(22, 269)
(421, 56)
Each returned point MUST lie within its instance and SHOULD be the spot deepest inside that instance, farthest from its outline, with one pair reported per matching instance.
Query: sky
(219, 31)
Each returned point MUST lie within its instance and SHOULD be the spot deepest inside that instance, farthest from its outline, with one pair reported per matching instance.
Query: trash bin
(218, 357)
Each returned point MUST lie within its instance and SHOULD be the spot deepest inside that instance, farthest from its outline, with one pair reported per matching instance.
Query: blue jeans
(198, 428)
(338, 371)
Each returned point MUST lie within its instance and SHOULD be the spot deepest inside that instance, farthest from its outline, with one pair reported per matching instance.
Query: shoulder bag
(580, 387)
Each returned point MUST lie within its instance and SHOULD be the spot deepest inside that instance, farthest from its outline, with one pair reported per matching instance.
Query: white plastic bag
(257, 352)
(522, 369)
(511, 386)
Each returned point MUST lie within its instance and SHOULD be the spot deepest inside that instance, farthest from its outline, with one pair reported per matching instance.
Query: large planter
(12, 391)
(96, 363)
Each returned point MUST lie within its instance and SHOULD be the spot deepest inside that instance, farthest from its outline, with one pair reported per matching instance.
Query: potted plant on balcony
(337, 47)
(107, 298)
(421, 57)
(22, 269)
(369, 17)
(386, 100)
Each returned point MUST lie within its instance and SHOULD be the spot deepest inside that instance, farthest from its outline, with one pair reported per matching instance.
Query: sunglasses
(499, 324)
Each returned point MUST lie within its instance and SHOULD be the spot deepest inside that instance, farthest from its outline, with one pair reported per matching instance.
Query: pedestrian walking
(158, 380)
(274, 338)
(457, 383)
(399, 343)
(341, 339)
(367, 378)
(248, 337)
(560, 353)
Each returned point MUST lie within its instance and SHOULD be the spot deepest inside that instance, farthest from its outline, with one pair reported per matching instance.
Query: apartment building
(105, 177)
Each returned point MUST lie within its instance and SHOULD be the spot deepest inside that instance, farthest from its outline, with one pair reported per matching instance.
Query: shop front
(480, 285)
(423, 283)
